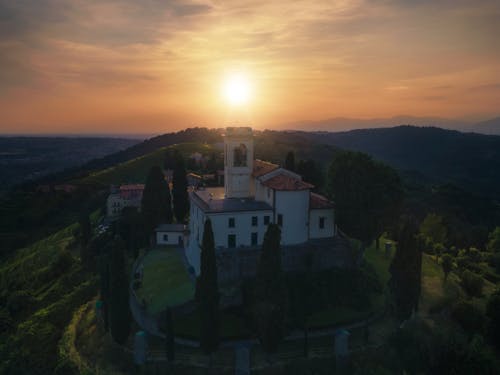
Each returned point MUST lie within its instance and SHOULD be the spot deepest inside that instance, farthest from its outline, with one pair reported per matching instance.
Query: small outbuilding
(170, 234)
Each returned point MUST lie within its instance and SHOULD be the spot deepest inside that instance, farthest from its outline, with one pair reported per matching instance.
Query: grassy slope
(136, 170)
(50, 290)
(165, 281)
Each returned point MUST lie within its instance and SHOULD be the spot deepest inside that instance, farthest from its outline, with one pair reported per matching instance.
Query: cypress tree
(156, 202)
(406, 270)
(179, 190)
(270, 292)
(290, 161)
(85, 235)
(208, 293)
(104, 288)
(119, 295)
(169, 336)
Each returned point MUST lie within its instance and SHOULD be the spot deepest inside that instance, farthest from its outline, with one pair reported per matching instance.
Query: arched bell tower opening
(238, 161)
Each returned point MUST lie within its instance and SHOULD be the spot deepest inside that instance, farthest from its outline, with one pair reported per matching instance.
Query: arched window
(240, 156)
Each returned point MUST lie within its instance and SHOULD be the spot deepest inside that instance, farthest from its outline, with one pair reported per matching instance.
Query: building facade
(255, 194)
(124, 196)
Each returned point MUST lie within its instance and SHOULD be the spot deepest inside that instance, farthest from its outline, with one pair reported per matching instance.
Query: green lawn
(379, 260)
(166, 281)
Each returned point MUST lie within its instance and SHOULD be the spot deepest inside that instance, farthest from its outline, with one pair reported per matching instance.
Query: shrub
(472, 284)
(19, 301)
(6, 323)
(62, 263)
(468, 317)
(493, 312)
(494, 261)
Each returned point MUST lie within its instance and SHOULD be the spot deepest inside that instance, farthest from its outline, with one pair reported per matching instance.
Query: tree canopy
(208, 293)
(290, 161)
(367, 194)
(406, 270)
(270, 292)
(179, 189)
(119, 296)
(156, 202)
(433, 229)
(494, 241)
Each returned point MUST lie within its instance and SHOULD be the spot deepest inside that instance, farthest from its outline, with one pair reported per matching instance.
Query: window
(266, 220)
(231, 222)
(280, 220)
(255, 221)
(165, 237)
(240, 156)
(231, 240)
(321, 223)
(254, 238)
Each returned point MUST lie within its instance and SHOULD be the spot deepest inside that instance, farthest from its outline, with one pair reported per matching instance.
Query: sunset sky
(152, 66)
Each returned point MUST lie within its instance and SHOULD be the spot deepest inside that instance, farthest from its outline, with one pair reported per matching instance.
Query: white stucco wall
(294, 206)
(172, 238)
(237, 179)
(115, 204)
(243, 227)
(314, 218)
(263, 193)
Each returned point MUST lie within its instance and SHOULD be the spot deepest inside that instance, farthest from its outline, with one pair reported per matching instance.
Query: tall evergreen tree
(119, 295)
(179, 190)
(368, 195)
(290, 161)
(406, 270)
(310, 172)
(131, 228)
(169, 336)
(270, 292)
(104, 288)
(156, 202)
(85, 233)
(208, 292)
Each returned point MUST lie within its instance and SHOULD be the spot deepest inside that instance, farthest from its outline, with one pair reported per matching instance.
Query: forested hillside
(471, 161)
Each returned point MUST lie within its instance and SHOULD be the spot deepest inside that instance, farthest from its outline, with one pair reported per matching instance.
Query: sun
(236, 89)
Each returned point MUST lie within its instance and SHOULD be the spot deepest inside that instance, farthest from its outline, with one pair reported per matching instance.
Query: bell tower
(238, 161)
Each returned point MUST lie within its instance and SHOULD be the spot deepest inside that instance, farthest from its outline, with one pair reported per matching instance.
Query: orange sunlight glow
(237, 89)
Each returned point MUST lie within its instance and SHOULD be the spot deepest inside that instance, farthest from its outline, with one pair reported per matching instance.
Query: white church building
(255, 193)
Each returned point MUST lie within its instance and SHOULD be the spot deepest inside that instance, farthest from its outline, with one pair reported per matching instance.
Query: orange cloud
(154, 65)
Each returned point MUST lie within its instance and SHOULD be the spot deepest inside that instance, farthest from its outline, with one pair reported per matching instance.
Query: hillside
(471, 161)
(27, 158)
(487, 127)
(40, 286)
(136, 170)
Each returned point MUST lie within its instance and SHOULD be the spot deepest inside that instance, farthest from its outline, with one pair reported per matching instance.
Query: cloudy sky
(139, 66)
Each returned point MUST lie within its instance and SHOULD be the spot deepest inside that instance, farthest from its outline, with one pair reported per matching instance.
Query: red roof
(319, 201)
(286, 182)
(261, 167)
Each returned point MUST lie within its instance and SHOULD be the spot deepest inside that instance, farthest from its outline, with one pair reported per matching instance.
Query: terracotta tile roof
(319, 201)
(261, 167)
(286, 182)
(132, 187)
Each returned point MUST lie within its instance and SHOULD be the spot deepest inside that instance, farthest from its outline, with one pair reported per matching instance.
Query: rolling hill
(469, 160)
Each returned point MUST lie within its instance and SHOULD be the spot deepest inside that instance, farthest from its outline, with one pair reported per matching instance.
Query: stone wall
(240, 263)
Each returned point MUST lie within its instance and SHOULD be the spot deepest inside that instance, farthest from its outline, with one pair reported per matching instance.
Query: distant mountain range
(336, 124)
